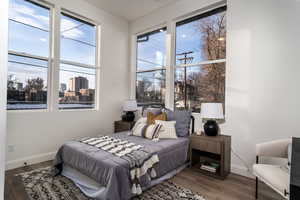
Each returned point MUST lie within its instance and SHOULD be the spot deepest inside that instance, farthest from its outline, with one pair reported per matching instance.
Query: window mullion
(151, 70)
(201, 63)
(133, 66)
(79, 64)
(27, 55)
(98, 65)
(55, 64)
(170, 56)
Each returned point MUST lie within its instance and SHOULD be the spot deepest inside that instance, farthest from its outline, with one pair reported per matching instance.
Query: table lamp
(211, 112)
(129, 107)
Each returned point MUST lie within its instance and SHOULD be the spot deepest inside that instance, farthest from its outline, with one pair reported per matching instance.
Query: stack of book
(211, 167)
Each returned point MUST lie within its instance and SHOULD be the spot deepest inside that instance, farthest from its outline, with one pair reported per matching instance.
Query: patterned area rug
(41, 185)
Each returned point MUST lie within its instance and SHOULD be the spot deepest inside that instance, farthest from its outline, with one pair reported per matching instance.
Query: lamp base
(128, 116)
(211, 128)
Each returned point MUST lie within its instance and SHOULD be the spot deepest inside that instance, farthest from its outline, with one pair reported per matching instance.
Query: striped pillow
(167, 129)
(152, 131)
(139, 127)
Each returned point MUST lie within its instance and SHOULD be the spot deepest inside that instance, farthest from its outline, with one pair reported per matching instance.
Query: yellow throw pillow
(151, 117)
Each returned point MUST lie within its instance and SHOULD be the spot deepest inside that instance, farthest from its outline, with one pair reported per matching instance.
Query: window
(28, 57)
(151, 68)
(200, 60)
(78, 63)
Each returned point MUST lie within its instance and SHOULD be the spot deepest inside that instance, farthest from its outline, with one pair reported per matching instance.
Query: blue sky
(29, 33)
(188, 38)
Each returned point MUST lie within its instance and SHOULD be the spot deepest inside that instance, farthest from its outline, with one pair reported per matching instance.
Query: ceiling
(130, 9)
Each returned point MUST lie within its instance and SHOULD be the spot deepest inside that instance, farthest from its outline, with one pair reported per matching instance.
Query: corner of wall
(3, 84)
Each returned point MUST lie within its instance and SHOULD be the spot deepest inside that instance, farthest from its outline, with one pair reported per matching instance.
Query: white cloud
(27, 15)
(22, 9)
(28, 21)
(43, 39)
(68, 29)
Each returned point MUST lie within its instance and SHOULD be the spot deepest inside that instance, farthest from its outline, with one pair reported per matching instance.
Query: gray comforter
(113, 172)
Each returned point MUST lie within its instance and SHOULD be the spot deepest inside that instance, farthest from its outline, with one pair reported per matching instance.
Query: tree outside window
(200, 60)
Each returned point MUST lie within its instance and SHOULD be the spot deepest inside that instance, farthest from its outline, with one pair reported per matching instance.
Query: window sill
(28, 111)
(48, 110)
(79, 110)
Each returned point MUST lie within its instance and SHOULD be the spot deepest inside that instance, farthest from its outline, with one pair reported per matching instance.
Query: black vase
(128, 116)
(211, 128)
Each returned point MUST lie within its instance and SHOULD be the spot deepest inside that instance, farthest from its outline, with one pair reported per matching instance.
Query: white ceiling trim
(130, 9)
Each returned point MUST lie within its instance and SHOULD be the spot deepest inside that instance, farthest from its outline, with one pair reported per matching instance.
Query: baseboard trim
(240, 170)
(30, 160)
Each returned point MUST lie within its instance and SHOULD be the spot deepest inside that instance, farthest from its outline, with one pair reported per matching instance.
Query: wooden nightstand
(123, 126)
(217, 150)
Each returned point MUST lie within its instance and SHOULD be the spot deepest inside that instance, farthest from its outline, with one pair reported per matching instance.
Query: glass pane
(179, 88)
(29, 28)
(77, 87)
(78, 40)
(77, 29)
(201, 40)
(150, 87)
(26, 60)
(151, 51)
(26, 83)
(205, 83)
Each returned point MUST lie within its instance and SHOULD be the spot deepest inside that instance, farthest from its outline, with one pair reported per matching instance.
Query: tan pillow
(151, 117)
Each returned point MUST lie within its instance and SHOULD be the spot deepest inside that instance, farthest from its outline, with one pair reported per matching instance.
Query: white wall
(3, 76)
(36, 135)
(262, 70)
(262, 73)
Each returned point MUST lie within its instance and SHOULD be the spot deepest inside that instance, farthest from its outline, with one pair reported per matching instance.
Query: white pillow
(167, 131)
(139, 126)
(141, 120)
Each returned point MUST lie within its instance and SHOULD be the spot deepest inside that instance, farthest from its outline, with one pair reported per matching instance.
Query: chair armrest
(276, 148)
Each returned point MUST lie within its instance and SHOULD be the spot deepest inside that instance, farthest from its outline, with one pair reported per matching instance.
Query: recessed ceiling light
(221, 39)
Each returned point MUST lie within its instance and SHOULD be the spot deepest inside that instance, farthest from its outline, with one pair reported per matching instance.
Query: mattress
(112, 172)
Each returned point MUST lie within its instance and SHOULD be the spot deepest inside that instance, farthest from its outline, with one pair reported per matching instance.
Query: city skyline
(33, 95)
(16, 84)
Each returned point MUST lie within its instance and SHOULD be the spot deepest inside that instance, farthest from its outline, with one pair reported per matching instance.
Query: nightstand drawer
(121, 126)
(208, 146)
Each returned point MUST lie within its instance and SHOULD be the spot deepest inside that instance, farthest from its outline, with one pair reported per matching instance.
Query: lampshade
(130, 105)
(212, 111)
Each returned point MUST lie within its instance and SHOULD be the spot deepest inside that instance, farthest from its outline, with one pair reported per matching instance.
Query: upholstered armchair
(275, 176)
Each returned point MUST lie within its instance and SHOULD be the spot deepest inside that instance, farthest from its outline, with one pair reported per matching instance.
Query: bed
(102, 175)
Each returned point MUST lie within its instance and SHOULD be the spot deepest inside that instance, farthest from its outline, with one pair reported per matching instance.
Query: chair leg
(256, 188)
(256, 180)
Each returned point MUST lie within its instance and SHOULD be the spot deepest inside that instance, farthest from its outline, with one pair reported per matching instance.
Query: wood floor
(233, 188)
